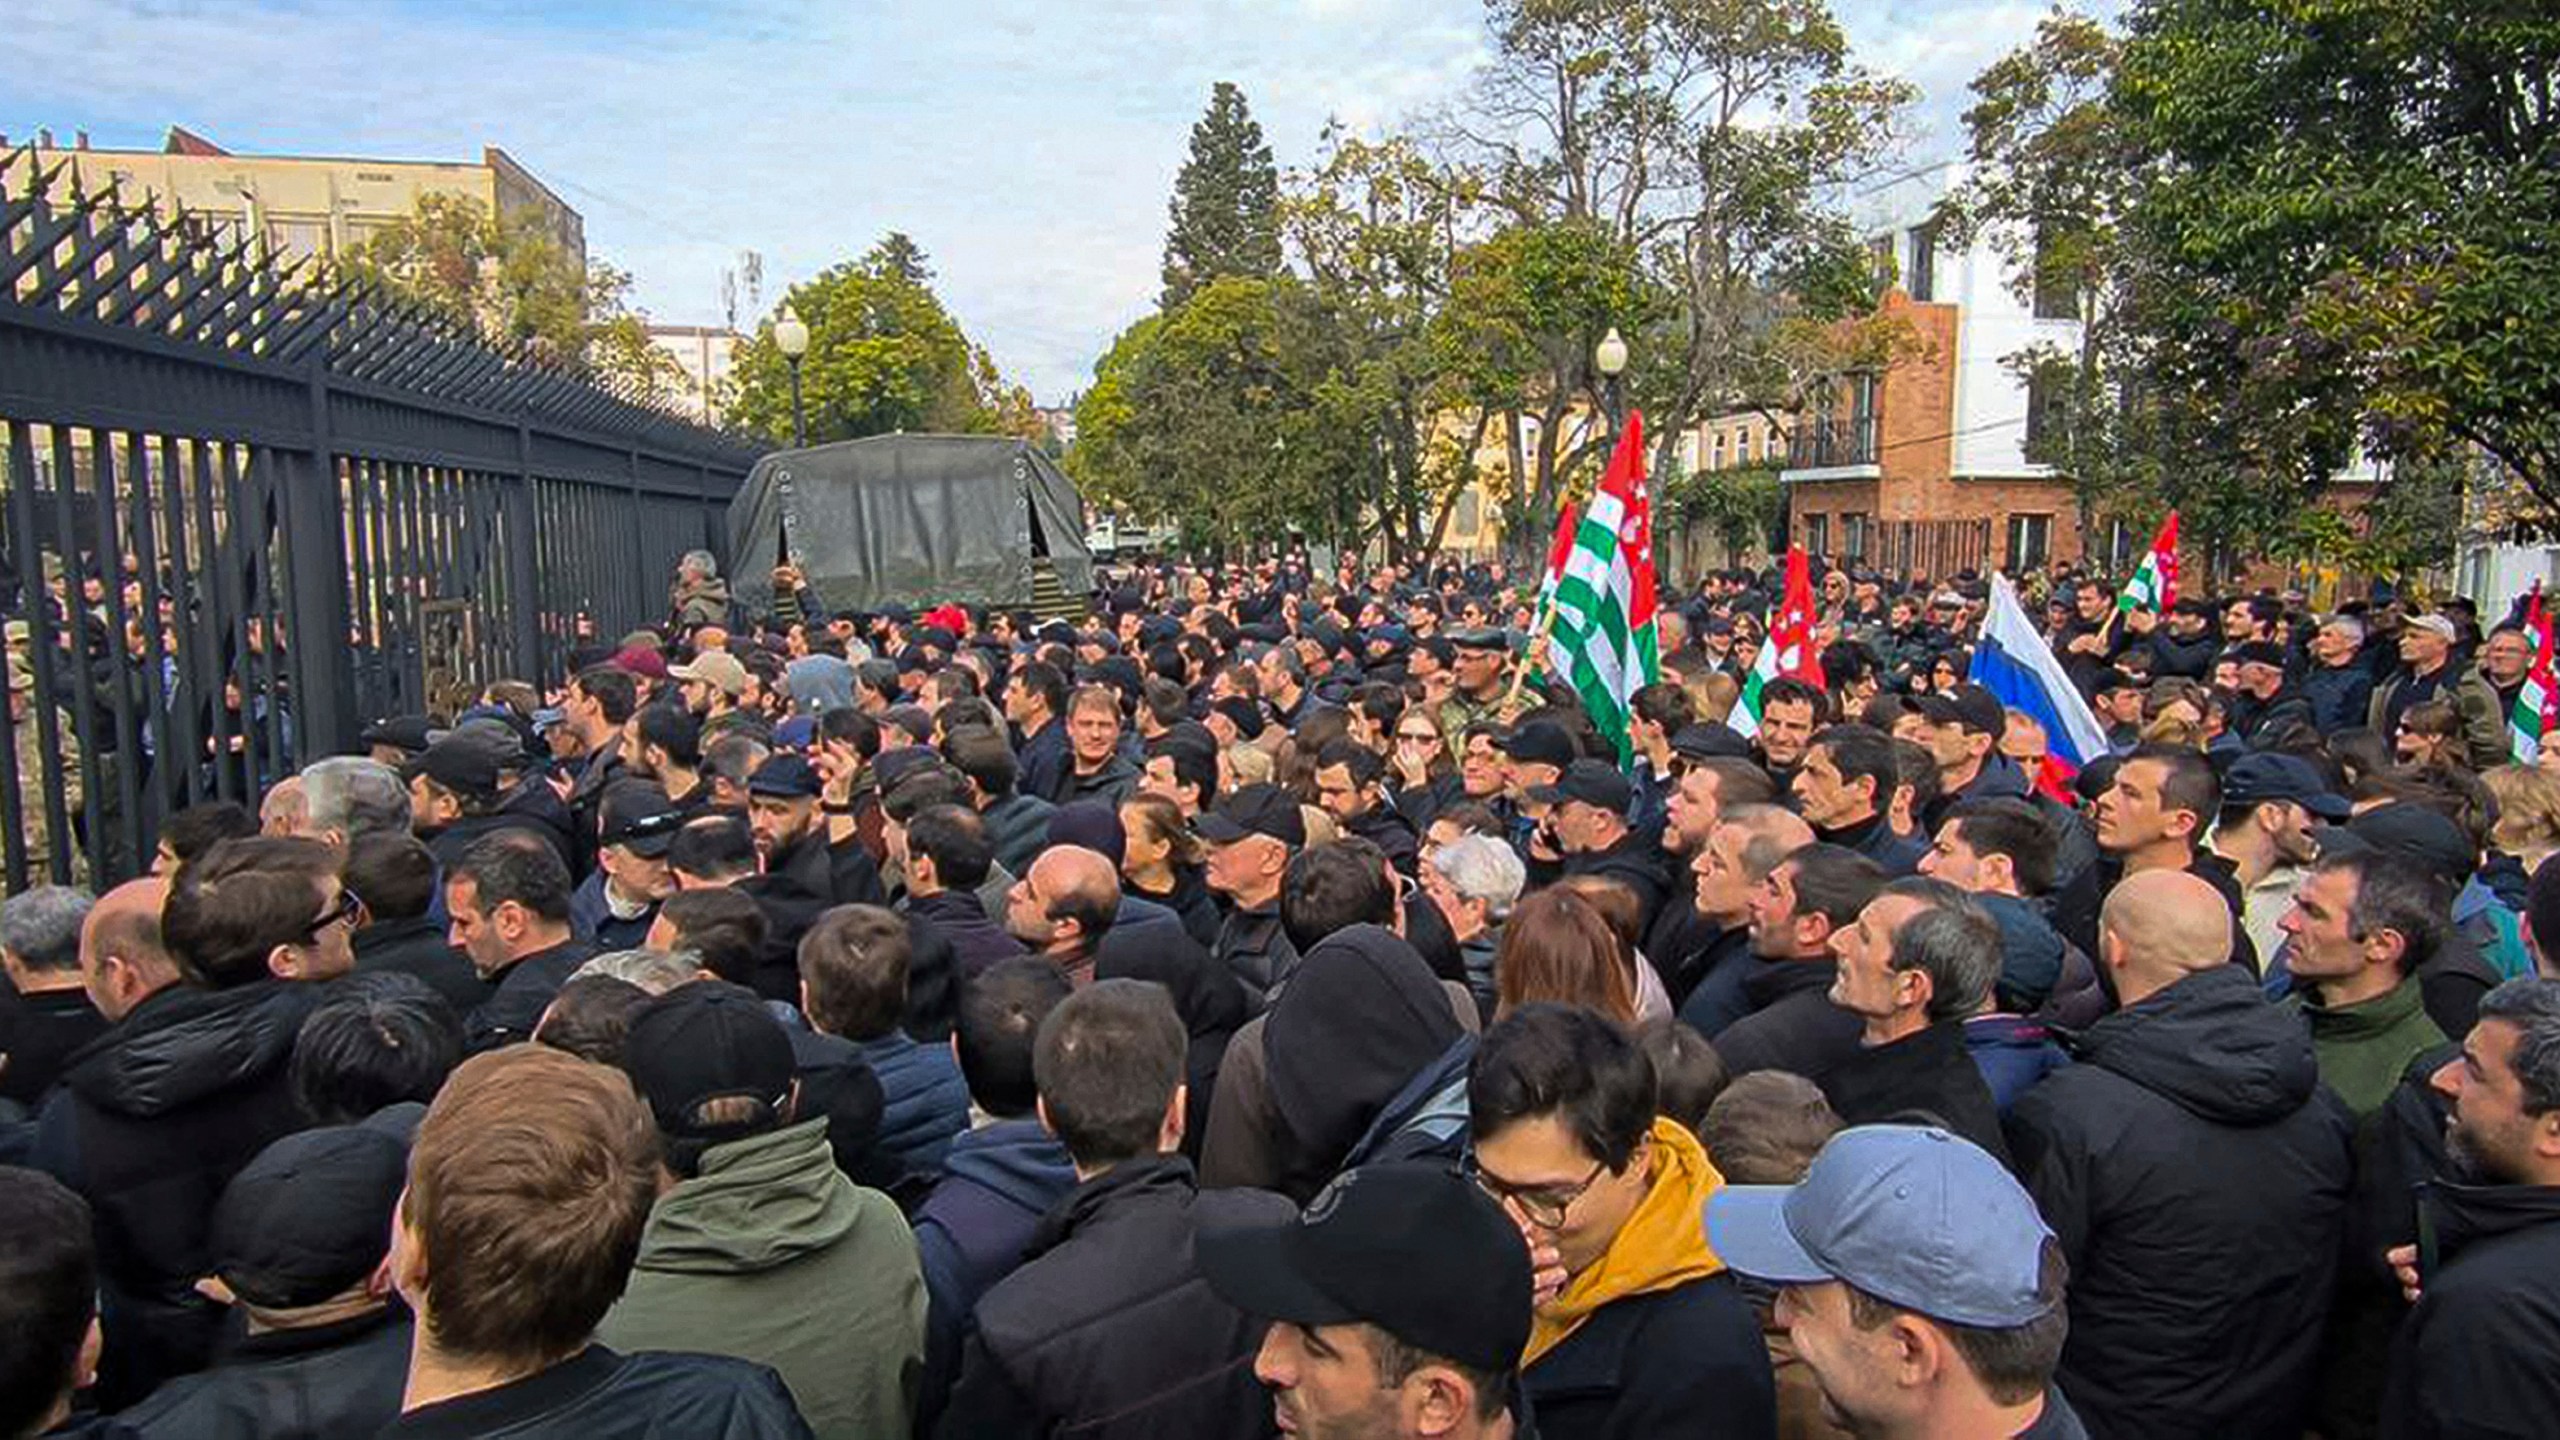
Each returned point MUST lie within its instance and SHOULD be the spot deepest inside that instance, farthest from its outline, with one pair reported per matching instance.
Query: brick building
(1923, 466)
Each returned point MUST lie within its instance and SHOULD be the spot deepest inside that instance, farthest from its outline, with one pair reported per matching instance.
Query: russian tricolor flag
(2015, 664)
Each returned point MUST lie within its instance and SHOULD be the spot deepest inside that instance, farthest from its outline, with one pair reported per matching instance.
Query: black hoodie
(2196, 1174)
(1360, 1016)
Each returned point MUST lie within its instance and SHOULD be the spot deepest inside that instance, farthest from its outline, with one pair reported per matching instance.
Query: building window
(1817, 534)
(2030, 542)
(1853, 536)
(1921, 274)
(1470, 515)
(1719, 449)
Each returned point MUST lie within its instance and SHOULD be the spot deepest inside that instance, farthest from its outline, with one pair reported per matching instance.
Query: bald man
(1063, 906)
(2196, 1173)
(153, 1119)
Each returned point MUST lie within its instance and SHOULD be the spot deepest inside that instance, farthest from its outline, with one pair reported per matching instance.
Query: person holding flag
(2154, 586)
(1787, 676)
(1600, 624)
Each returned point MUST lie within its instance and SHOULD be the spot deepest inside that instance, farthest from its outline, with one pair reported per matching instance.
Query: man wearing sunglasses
(1638, 1330)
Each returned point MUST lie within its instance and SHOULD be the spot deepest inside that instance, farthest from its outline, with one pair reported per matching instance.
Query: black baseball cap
(1593, 782)
(2259, 777)
(1254, 810)
(468, 761)
(1243, 714)
(1708, 740)
(1413, 1248)
(1541, 741)
(784, 775)
(1479, 637)
(309, 1217)
(638, 816)
(2258, 652)
(709, 1041)
(413, 733)
(1968, 705)
(2411, 831)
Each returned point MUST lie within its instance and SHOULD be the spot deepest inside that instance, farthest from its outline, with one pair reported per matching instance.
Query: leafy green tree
(1702, 141)
(508, 278)
(1225, 207)
(884, 356)
(2342, 230)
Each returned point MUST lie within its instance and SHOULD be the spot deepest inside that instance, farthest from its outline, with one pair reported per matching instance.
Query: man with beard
(1349, 785)
(2269, 803)
(1790, 711)
(2474, 1357)
(1810, 896)
(782, 812)
(1483, 665)
(1701, 793)
(1744, 847)
(1587, 825)
(664, 743)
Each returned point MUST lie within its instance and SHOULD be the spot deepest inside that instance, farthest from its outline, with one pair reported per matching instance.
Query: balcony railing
(1827, 444)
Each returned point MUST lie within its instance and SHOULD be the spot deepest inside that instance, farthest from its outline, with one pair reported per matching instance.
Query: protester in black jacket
(1108, 1329)
(1921, 959)
(298, 1239)
(395, 877)
(512, 1138)
(2196, 1174)
(151, 1121)
(1810, 896)
(1590, 830)
(947, 859)
(2475, 1358)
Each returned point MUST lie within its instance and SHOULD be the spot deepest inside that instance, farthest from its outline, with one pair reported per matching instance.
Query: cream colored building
(705, 353)
(308, 205)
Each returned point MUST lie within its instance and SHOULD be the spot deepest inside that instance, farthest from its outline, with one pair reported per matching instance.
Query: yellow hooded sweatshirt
(1663, 1245)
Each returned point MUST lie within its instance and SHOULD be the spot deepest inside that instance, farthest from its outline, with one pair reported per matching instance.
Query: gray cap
(1912, 1215)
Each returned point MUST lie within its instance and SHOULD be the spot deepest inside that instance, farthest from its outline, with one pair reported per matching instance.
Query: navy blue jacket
(924, 1102)
(974, 1229)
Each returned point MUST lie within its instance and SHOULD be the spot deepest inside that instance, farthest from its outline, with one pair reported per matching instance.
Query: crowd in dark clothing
(1275, 1003)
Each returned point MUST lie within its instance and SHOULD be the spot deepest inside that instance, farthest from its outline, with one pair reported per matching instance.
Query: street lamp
(791, 337)
(1610, 355)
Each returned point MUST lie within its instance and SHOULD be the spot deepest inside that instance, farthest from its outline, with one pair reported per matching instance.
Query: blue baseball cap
(1909, 1214)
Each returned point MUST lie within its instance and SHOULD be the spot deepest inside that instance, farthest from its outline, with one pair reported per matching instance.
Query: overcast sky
(1028, 146)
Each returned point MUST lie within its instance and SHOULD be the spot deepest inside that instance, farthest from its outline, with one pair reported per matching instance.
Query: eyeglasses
(1545, 1205)
(343, 909)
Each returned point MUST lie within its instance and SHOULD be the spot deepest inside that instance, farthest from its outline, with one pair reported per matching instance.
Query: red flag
(1567, 517)
(1791, 628)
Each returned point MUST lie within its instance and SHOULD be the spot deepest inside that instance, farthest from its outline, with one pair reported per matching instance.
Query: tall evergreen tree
(1225, 204)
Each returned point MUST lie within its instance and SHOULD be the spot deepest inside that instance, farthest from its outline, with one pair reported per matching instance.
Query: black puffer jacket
(1636, 863)
(2196, 1174)
(2473, 1360)
(151, 1122)
(1109, 1328)
(310, 1384)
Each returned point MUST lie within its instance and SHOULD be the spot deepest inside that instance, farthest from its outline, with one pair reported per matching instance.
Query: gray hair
(701, 563)
(41, 926)
(656, 971)
(2531, 1003)
(1954, 942)
(1480, 867)
(2347, 625)
(354, 796)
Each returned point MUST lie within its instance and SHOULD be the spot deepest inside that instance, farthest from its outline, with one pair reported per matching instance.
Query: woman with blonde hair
(2528, 825)
(1160, 860)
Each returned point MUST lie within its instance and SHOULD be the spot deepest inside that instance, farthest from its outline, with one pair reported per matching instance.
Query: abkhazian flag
(1788, 647)
(2537, 707)
(2154, 585)
(1602, 635)
(1568, 519)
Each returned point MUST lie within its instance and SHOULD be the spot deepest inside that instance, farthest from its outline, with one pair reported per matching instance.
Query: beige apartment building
(303, 205)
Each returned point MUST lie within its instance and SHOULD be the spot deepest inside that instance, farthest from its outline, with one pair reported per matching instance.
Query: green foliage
(1740, 505)
(508, 278)
(884, 357)
(2408, 528)
(1225, 207)
(2343, 224)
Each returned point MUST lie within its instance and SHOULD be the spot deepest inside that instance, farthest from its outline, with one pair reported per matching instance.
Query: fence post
(523, 573)
(316, 537)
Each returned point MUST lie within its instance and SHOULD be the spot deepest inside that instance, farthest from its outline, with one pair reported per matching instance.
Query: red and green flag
(1602, 636)
(2154, 585)
(2537, 707)
(1788, 647)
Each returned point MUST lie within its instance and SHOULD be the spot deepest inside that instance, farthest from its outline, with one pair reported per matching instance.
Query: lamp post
(1610, 355)
(791, 337)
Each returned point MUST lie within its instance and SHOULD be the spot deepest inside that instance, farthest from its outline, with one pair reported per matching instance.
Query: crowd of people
(1270, 1004)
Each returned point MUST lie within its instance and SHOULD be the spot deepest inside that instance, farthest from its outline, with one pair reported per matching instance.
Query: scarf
(1662, 1246)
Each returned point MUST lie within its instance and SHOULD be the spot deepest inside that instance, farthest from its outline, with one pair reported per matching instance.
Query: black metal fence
(246, 507)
